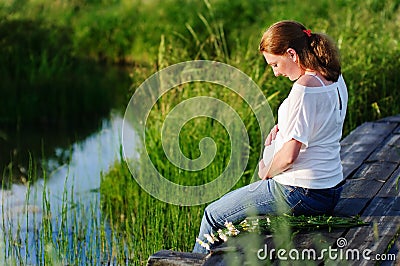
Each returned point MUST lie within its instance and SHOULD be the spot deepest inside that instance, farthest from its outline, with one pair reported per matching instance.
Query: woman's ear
(292, 54)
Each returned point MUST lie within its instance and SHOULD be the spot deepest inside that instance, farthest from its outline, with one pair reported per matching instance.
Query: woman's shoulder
(313, 81)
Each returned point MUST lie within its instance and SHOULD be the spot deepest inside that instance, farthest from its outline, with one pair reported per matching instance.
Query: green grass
(50, 229)
(123, 31)
(150, 35)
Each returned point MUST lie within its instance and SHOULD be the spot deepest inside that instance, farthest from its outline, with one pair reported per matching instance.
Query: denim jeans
(265, 197)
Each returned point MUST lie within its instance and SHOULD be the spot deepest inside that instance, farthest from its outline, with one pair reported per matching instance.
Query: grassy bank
(150, 35)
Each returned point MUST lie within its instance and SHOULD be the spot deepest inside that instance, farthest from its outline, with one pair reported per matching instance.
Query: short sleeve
(301, 116)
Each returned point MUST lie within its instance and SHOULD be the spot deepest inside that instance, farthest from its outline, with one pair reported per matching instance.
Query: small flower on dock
(245, 225)
(222, 235)
(211, 238)
(254, 225)
(203, 244)
(232, 231)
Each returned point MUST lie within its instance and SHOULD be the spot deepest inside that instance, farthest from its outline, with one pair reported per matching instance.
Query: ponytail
(323, 56)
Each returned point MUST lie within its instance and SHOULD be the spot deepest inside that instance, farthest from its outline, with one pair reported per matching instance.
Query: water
(72, 192)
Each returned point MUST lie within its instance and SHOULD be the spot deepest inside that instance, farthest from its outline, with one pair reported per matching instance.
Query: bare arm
(282, 160)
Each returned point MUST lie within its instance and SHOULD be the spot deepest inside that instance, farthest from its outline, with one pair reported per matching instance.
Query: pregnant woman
(301, 171)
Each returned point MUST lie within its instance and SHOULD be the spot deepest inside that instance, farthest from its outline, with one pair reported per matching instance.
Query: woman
(305, 174)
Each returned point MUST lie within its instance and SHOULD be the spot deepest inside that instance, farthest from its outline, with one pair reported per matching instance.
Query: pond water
(70, 190)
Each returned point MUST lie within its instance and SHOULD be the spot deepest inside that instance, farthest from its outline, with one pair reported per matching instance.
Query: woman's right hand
(271, 135)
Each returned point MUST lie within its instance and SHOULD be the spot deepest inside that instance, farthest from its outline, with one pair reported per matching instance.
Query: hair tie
(308, 32)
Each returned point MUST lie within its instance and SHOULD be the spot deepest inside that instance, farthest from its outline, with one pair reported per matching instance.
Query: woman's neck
(310, 72)
(307, 72)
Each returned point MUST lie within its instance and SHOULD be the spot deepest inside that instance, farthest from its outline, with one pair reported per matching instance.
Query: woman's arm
(282, 160)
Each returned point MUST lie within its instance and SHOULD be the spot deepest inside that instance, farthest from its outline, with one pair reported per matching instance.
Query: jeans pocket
(329, 197)
(304, 208)
(292, 189)
(312, 202)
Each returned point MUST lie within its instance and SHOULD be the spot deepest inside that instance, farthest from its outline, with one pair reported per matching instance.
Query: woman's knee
(214, 214)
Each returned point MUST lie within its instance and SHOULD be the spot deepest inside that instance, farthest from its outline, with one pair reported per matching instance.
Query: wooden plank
(360, 144)
(352, 161)
(392, 186)
(397, 130)
(384, 215)
(371, 176)
(392, 119)
(367, 133)
(377, 170)
(395, 250)
(317, 241)
(174, 258)
(241, 250)
(389, 151)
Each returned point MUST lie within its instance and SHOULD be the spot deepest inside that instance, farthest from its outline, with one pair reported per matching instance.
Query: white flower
(222, 235)
(232, 231)
(244, 222)
(204, 245)
(254, 226)
(254, 222)
(229, 225)
(214, 237)
(210, 238)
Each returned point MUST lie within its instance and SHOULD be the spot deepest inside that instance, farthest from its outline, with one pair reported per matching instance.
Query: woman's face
(284, 65)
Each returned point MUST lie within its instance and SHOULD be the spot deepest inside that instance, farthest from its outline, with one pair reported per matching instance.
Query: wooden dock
(371, 165)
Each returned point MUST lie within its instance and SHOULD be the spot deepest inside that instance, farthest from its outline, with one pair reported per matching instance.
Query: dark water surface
(52, 164)
(71, 192)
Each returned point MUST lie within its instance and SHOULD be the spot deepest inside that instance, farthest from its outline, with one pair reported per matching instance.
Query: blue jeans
(265, 197)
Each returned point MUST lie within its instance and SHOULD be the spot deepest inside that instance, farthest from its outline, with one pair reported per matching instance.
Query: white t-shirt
(313, 116)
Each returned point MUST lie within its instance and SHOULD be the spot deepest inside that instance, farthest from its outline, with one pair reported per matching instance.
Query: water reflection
(54, 111)
(71, 190)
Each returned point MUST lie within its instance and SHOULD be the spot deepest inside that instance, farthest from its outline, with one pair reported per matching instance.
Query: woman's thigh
(259, 198)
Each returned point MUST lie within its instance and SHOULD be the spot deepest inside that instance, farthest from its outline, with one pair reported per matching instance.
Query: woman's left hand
(272, 135)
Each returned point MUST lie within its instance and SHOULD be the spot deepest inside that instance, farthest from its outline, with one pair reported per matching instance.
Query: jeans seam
(237, 210)
(292, 208)
(209, 218)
